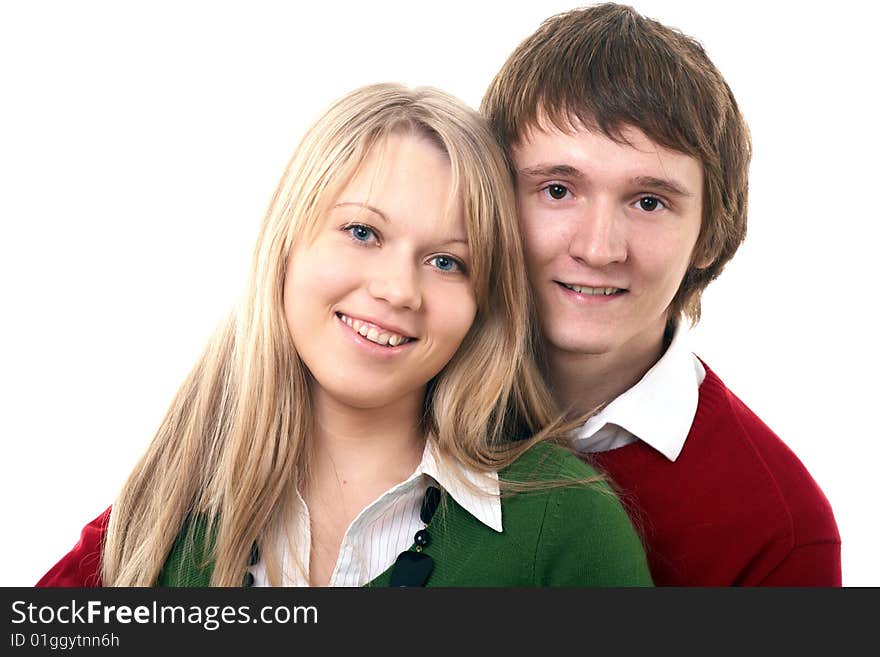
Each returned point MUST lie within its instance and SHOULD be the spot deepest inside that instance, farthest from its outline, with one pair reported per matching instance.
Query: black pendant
(422, 538)
(411, 569)
(255, 554)
(429, 504)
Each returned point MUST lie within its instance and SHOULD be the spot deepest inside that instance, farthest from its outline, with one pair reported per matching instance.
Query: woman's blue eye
(445, 263)
(361, 233)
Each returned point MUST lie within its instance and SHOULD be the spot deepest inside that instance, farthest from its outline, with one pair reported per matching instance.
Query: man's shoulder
(736, 506)
(722, 418)
(719, 409)
(726, 431)
(729, 454)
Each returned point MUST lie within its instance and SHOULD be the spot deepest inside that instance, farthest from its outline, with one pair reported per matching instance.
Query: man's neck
(583, 382)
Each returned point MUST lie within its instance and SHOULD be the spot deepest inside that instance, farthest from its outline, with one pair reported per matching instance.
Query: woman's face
(381, 299)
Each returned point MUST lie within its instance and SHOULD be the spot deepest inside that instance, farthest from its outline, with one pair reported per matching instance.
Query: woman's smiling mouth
(374, 332)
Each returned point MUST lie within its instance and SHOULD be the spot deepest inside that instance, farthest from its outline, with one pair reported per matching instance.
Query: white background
(140, 142)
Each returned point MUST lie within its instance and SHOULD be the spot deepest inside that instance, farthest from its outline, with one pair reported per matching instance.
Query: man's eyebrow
(364, 206)
(550, 171)
(662, 184)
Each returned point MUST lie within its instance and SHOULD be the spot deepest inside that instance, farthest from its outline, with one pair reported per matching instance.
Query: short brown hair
(607, 67)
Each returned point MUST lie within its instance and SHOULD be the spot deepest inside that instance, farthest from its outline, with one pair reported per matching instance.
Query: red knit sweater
(81, 566)
(737, 508)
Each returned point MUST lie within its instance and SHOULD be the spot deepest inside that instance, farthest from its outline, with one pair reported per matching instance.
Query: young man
(631, 164)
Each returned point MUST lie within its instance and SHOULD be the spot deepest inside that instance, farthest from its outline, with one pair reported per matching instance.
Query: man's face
(609, 231)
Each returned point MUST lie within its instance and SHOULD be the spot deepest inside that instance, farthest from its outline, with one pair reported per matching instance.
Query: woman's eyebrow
(364, 206)
(367, 206)
(456, 240)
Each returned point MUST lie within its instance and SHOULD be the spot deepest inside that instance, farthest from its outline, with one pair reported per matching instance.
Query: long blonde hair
(232, 446)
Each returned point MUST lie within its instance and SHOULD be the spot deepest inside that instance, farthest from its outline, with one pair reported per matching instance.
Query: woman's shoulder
(584, 535)
(548, 462)
(548, 473)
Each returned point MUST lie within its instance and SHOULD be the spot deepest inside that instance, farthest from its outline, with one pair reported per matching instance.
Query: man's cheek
(537, 242)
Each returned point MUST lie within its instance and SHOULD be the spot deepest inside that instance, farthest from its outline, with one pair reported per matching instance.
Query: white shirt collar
(383, 529)
(659, 409)
(484, 503)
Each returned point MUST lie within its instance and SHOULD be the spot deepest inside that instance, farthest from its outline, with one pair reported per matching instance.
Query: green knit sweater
(577, 535)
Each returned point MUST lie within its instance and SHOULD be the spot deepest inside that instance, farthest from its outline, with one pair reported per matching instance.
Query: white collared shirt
(658, 410)
(386, 527)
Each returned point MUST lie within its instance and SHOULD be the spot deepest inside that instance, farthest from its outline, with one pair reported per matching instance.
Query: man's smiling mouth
(593, 291)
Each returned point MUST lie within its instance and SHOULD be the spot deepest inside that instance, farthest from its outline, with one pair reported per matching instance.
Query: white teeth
(373, 334)
(594, 291)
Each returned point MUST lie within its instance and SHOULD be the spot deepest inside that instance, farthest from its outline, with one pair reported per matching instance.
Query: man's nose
(598, 237)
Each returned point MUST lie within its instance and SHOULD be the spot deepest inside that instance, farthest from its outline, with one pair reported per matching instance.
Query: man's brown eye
(649, 203)
(557, 192)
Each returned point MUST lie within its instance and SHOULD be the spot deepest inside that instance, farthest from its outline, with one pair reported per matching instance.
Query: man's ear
(703, 257)
(702, 261)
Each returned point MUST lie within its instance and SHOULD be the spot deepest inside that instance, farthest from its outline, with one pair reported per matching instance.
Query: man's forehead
(570, 123)
(551, 146)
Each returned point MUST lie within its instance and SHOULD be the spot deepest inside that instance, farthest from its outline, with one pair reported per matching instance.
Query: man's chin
(580, 344)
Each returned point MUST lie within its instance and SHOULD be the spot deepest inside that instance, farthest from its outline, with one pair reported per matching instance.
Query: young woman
(358, 416)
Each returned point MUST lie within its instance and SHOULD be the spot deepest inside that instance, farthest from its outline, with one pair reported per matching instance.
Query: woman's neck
(365, 447)
(357, 455)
